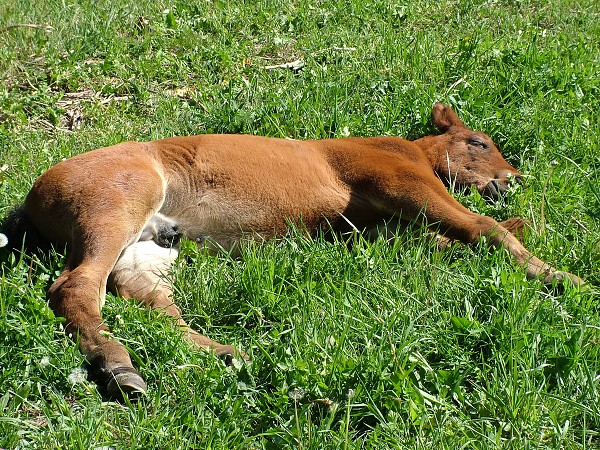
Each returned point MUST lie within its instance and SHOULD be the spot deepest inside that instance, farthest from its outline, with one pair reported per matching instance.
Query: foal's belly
(222, 218)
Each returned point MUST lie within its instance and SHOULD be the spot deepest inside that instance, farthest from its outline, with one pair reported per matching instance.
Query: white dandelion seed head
(77, 376)
(3, 240)
(45, 361)
(350, 393)
(296, 394)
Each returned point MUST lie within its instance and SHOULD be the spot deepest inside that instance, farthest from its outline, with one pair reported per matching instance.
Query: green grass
(378, 345)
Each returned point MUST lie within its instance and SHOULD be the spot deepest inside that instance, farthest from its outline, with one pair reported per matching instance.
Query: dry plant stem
(543, 204)
(46, 28)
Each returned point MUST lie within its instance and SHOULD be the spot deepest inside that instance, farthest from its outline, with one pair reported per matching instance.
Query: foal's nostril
(509, 176)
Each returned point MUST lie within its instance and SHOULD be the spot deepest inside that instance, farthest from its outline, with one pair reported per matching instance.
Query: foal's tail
(17, 234)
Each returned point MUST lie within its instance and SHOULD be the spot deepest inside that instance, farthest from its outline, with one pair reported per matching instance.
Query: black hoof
(125, 382)
(229, 352)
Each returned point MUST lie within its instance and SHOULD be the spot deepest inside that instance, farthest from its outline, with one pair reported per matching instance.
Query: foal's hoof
(229, 352)
(125, 382)
(560, 277)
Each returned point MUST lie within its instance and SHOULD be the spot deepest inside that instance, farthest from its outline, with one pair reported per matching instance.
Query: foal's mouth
(494, 190)
(497, 188)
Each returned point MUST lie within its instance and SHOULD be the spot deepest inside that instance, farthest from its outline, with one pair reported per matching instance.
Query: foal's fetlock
(226, 352)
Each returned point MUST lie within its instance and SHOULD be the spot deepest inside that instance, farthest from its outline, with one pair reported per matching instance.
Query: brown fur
(219, 189)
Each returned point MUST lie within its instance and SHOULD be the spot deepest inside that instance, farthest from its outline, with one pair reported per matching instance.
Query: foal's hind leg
(140, 274)
(97, 213)
(78, 295)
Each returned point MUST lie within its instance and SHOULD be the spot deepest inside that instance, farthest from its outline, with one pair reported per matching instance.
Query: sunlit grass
(384, 344)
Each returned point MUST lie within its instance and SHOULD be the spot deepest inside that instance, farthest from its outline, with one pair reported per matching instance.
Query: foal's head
(465, 157)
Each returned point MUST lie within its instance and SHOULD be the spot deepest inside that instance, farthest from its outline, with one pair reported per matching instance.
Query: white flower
(45, 361)
(77, 376)
(296, 394)
(3, 240)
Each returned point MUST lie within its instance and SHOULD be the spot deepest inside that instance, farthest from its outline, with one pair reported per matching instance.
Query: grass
(378, 345)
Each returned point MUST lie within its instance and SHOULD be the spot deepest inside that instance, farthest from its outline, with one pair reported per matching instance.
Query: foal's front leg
(457, 222)
(470, 226)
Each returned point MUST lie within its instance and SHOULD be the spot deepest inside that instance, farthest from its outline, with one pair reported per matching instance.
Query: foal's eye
(478, 143)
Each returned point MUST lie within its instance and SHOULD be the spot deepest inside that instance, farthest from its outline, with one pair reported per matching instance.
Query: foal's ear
(444, 117)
